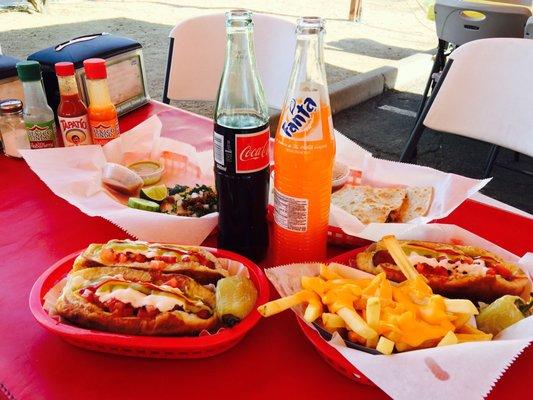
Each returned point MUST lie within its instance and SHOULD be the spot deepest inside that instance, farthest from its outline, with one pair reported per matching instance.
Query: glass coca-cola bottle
(241, 145)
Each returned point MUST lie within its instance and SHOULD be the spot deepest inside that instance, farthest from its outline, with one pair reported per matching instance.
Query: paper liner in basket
(449, 190)
(74, 174)
(463, 371)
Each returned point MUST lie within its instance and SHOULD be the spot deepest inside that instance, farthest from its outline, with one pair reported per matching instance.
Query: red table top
(273, 361)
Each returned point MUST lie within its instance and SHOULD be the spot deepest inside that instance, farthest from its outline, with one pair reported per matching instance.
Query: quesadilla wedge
(369, 204)
(451, 270)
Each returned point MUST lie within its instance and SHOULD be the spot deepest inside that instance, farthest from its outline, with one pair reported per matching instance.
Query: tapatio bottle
(38, 116)
(71, 112)
(241, 145)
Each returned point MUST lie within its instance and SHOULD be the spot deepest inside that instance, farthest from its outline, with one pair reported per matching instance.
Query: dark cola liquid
(242, 196)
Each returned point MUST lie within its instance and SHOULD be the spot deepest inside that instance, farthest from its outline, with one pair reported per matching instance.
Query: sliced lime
(143, 204)
(156, 193)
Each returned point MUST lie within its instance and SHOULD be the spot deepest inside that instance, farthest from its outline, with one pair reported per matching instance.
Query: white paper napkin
(463, 371)
(74, 174)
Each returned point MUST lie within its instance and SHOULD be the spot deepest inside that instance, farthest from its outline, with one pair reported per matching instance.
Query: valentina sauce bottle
(71, 113)
(102, 113)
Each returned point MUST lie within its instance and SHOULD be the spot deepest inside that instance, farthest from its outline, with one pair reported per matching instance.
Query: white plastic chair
(492, 104)
(196, 57)
(461, 21)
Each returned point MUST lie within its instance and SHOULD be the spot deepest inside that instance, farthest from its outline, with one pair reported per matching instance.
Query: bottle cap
(95, 68)
(29, 71)
(64, 69)
(10, 106)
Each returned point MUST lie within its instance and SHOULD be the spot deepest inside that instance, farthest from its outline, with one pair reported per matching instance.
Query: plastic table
(274, 361)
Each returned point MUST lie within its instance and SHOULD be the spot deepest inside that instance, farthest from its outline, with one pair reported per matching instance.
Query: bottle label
(104, 131)
(241, 151)
(301, 119)
(41, 135)
(290, 212)
(75, 130)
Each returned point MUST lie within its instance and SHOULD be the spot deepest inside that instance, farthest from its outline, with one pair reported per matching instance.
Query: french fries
(381, 315)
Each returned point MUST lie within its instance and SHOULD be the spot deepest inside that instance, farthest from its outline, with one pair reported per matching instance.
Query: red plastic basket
(332, 356)
(146, 346)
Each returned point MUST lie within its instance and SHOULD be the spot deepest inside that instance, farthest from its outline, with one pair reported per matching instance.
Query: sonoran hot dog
(130, 301)
(192, 261)
(451, 270)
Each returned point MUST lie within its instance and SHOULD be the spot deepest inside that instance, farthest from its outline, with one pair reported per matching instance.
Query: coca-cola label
(41, 135)
(252, 152)
(75, 130)
(241, 151)
(104, 131)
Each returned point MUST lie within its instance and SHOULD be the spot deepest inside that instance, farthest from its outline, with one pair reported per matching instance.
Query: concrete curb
(362, 87)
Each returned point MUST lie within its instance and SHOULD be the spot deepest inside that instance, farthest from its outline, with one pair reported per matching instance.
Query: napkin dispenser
(126, 75)
(10, 86)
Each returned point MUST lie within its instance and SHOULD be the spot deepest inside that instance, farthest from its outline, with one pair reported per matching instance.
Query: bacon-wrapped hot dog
(451, 270)
(130, 301)
(192, 261)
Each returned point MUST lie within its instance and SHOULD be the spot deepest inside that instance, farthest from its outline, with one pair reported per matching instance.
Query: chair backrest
(494, 105)
(462, 21)
(197, 57)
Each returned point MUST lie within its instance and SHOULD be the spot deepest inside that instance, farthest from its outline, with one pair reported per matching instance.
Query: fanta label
(301, 119)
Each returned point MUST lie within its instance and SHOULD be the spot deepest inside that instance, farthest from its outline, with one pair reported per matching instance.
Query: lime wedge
(156, 193)
(143, 204)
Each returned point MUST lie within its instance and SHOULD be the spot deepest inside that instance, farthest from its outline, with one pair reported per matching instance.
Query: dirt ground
(385, 35)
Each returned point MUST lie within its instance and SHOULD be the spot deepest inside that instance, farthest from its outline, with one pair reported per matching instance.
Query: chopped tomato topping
(107, 256)
(426, 269)
(140, 258)
(119, 308)
(167, 259)
(122, 258)
(491, 272)
(147, 312)
(156, 264)
(88, 295)
(502, 271)
(172, 282)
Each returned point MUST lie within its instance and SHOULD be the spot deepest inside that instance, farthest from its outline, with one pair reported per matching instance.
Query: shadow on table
(385, 134)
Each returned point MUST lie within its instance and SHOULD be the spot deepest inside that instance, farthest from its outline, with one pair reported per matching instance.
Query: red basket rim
(224, 337)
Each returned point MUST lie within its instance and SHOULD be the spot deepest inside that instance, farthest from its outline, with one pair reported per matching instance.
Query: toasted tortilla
(369, 204)
(416, 204)
(75, 308)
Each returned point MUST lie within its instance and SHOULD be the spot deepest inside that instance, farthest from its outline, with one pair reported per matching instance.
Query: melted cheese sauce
(137, 299)
(477, 268)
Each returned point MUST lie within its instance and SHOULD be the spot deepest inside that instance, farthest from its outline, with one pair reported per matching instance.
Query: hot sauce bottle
(71, 113)
(38, 116)
(102, 113)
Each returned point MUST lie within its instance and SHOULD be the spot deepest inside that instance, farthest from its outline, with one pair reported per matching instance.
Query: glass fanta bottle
(304, 153)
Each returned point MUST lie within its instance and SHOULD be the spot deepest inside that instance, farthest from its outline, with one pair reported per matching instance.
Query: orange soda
(304, 153)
